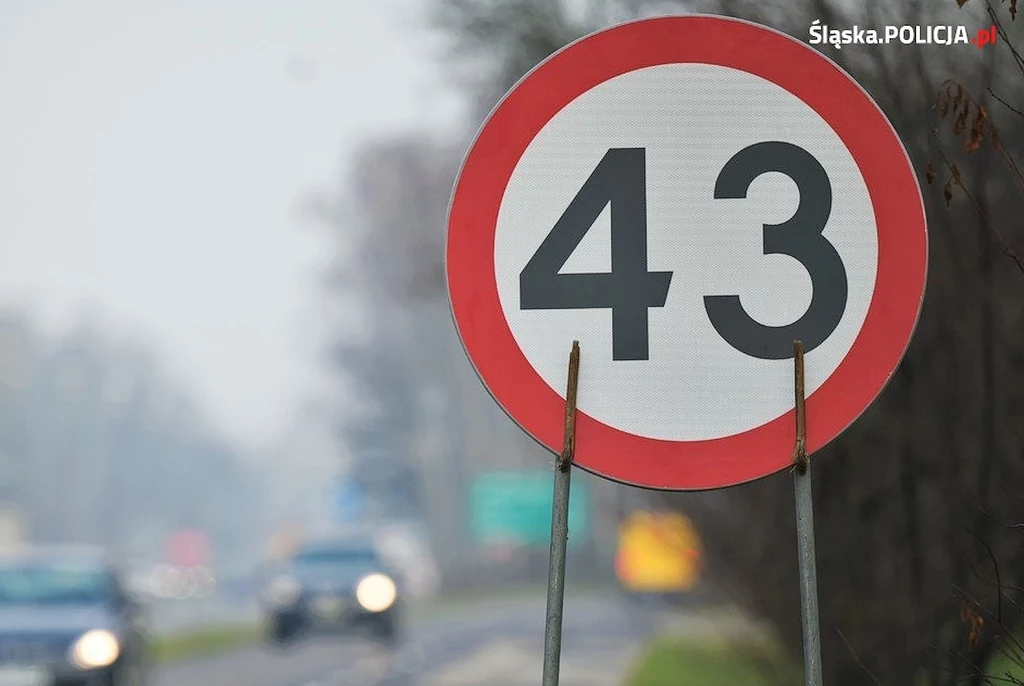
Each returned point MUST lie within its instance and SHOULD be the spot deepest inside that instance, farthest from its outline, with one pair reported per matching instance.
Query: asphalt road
(496, 642)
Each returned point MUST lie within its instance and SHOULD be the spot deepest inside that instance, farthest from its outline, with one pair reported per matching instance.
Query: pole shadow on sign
(549, 165)
(804, 528)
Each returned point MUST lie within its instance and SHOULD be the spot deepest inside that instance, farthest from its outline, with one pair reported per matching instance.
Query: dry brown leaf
(977, 130)
(960, 125)
(970, 616)
(974, 636)
(929, 173)
(961, 96)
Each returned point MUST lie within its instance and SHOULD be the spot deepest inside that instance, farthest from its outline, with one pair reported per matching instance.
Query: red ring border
(879, 154)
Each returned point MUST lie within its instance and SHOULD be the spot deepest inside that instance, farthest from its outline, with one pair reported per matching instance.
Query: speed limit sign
(686, 196)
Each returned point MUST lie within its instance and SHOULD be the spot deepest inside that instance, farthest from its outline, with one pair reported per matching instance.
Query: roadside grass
(203, 642)
(674, 661)
(1004, 669)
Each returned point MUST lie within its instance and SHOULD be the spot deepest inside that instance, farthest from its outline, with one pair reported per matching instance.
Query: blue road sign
(349, 501)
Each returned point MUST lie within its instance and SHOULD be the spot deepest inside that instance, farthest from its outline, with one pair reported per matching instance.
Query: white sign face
(694, 385)
(687, 197)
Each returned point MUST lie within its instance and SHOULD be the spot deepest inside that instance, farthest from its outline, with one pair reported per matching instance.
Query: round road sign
(686, 196)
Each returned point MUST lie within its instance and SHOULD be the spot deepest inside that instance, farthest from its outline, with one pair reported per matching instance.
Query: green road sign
(515, 507)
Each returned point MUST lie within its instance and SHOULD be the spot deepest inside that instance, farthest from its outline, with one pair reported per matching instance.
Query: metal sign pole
(805, 532)
(560, 529)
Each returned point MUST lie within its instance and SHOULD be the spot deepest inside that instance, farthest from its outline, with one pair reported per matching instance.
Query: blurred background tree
(98, 446)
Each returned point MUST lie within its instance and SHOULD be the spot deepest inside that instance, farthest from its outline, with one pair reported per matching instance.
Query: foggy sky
(151, 158)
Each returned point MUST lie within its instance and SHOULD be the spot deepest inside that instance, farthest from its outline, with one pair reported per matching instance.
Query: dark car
(332, 586)
(67, 620)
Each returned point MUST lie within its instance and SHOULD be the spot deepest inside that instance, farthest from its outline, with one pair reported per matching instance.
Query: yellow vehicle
(659, 552)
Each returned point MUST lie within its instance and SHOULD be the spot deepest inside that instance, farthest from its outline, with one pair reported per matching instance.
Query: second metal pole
(560, 530)
(556, 578)
(808, 579)
(805, 533)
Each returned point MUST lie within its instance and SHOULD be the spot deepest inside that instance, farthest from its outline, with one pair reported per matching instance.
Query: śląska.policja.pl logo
(907, 35)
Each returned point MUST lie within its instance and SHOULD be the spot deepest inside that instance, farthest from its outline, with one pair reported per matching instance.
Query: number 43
(629, 289)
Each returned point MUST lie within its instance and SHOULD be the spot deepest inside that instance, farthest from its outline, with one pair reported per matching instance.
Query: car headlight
(95, 649)
(376, 592)
(284, 590)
